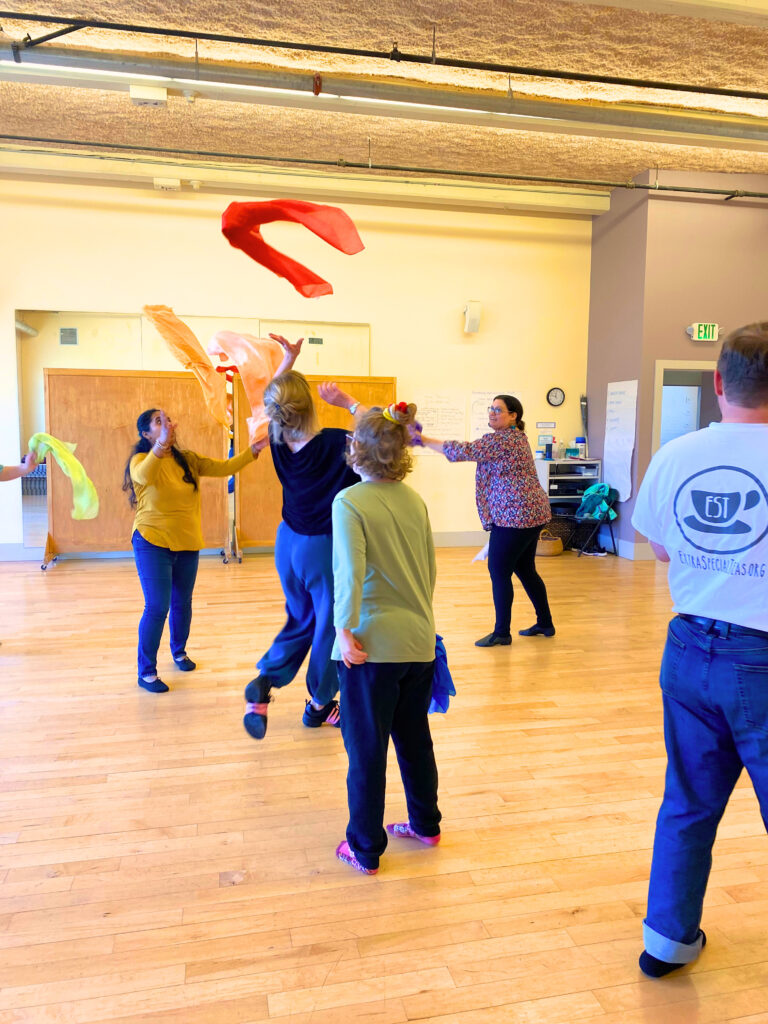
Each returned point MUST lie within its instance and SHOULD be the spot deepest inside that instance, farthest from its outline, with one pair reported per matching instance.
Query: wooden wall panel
(258, 495)
(97, 409)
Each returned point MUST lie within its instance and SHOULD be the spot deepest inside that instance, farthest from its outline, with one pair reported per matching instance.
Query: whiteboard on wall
(329, 348)
(620, 416)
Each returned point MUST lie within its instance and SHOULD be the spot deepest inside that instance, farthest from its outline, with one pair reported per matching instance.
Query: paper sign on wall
(442, 414)
(620, 414)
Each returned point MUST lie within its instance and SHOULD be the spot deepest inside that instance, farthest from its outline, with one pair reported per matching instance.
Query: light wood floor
(158, 865)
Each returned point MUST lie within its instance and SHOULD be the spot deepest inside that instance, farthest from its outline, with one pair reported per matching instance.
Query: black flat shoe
(257, 691)
(258, 699)
(185, 663)
(155, 686)
(493, 640)
(654, 968)
(537, 631)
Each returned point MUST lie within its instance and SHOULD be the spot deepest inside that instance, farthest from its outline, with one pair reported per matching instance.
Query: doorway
(684, 399)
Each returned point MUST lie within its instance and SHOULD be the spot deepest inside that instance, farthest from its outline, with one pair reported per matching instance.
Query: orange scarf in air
(187, 349)
(257, 360)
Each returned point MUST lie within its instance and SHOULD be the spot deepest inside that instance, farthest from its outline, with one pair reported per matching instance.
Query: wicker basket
(549, 544)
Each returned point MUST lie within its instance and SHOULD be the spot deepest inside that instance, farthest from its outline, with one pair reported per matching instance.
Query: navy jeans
(513, 550)
(715, 693)
(378, 701)
(167, 579)
(304, 565)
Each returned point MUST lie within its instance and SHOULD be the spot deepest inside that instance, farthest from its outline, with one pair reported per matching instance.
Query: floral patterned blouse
(508, 492)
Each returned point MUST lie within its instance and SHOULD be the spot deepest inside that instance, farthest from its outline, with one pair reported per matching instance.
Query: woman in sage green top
(384, 576)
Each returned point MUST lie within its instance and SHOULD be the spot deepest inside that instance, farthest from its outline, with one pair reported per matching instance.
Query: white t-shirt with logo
(705, 500)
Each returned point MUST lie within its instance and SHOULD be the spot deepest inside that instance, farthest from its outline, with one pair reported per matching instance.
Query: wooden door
(97, 409)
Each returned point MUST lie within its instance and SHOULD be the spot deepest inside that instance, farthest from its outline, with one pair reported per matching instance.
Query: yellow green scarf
(84, 497)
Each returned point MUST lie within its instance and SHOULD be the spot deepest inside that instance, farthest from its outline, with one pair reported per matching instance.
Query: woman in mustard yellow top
(163, 484)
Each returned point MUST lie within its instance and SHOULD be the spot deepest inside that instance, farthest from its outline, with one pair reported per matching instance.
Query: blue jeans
(380, 700)
(305, 569)
(715, 694)
(167, 579)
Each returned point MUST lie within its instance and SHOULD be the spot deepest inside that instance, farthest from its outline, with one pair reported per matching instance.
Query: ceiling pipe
(392, 168)
(23, 328)
(28, 42)
(393, 54)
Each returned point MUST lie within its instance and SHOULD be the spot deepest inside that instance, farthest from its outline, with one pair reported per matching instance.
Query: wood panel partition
(97, 409)
(258, 495)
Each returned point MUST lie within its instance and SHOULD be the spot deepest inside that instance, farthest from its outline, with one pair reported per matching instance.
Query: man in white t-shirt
(703, 505)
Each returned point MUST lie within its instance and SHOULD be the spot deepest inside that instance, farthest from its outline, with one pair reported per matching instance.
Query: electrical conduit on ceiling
(393, 55)
(393, 168)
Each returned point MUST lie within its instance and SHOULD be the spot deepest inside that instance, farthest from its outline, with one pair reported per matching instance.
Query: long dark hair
(513, 405)
(143, 424)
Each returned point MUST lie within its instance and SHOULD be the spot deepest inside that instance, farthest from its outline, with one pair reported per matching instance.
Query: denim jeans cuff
(668, 950)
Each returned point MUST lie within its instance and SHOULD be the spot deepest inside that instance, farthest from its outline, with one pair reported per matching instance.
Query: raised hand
(333, 395)
(167, 435)
(415, 433)
(291, 349)
(28, 464)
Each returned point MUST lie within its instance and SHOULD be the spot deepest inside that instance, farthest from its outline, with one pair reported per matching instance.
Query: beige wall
(107, 343)
(661, 262)
(110, 250)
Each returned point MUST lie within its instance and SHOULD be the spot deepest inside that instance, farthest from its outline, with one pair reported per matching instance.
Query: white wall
(111, 251)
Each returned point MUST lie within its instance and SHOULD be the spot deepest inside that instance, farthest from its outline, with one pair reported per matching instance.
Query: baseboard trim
(18, 553)
(635, 551)
(460, 539)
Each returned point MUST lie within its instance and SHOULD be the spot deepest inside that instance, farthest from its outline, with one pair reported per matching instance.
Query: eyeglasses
(494, 410)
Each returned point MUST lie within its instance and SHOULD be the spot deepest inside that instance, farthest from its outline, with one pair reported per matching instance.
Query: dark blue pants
(513, 550)
(715, 693)
(167, 579)
(304, 565)
(379, 701)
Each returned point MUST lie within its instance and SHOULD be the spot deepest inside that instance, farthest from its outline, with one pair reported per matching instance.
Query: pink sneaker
(344, 853)
(403, 830)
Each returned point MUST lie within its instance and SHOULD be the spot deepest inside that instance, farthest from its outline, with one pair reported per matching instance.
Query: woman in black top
(311, 465)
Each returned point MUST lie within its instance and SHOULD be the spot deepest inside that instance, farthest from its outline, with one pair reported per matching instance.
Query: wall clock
(555, 396)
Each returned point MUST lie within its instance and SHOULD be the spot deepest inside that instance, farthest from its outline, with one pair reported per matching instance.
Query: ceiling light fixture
(618, 119)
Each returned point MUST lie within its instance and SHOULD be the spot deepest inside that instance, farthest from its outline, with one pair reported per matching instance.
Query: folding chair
(595, 510)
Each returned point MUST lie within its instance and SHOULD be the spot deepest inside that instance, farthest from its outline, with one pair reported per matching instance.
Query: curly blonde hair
(289, 408)
(381, 446)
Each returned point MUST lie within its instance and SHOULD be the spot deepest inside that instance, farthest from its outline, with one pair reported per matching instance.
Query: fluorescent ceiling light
(621, 120)
(171, 82)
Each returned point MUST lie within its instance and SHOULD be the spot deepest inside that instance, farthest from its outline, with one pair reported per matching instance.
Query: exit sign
(703, 332)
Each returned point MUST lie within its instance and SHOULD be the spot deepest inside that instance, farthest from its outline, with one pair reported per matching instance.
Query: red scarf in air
(241, 222)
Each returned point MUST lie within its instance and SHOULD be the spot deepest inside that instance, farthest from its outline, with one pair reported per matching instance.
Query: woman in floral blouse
(513, 506)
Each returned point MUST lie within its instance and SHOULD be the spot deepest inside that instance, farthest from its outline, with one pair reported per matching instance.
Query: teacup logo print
(722, 510)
